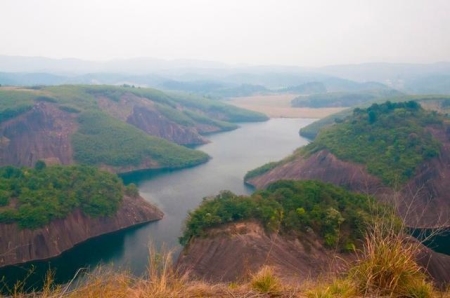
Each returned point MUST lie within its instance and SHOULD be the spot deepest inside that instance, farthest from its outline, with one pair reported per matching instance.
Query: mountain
(117, 128)
(397, 152)
(156, 73)
(388, 73)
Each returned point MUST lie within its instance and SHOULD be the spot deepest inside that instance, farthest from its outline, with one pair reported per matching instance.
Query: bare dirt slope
(23, 245)
(232, 252)
(43, 133)
(424, 201)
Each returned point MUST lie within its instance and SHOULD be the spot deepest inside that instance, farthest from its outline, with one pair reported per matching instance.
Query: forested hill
(46, 210)
(297, 227)
(440, 103)
(120, 128)
(391, 139)
(395, 151)
(33, 197)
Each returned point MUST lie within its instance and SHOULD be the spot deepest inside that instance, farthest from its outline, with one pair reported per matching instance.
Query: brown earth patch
(234, 251)
(23, 245)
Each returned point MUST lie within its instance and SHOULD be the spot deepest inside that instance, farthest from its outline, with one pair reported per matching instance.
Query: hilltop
(394, 151)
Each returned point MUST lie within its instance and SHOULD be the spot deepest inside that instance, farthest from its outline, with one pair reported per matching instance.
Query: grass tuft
(265, 281)
(386, 266)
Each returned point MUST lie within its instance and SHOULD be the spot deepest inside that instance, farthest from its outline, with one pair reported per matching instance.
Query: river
(175, 192)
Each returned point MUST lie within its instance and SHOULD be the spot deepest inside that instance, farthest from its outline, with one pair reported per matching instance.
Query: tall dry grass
(385, 266)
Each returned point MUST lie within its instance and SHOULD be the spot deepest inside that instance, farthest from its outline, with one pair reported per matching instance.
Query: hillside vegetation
(34, 197)
(440, 103)
(127, 126)
(390, 139)
(342, 99)
(103, 140)
(337, 215)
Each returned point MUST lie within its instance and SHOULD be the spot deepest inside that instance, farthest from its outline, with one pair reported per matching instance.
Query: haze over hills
(194, 75)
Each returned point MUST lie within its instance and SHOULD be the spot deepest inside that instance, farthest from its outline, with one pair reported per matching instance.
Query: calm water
(176, 192)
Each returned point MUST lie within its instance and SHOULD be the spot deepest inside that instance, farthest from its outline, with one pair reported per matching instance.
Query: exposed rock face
(424, 201)
(234, 251)
(155, 124)
(42, 133)
(231, 252)
(142, 113)
(18, 246)
(322, 166)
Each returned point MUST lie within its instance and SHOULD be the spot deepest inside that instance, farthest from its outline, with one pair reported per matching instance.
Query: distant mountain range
(219, 79)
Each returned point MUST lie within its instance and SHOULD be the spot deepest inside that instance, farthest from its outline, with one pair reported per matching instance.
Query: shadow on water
(440, 242)
(97, 251)
(144, 175)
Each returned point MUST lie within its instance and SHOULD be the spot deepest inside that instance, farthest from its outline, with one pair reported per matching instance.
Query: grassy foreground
(384, 267)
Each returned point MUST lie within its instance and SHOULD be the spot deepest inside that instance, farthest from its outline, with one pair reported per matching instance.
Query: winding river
(175, 192)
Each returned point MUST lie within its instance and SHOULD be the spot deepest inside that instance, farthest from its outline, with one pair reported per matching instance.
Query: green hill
(339, 216)
(440, 103)
(390, 139)
(34, 197)
(121, 126)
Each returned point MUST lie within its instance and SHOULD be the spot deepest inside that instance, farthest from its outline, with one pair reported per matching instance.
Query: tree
(40, 165)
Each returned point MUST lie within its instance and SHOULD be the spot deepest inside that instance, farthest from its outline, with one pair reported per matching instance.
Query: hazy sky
(288, 32)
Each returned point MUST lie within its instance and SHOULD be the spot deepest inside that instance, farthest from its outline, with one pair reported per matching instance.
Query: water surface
(176, 192)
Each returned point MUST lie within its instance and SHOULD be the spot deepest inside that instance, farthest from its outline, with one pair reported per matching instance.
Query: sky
(251, 32)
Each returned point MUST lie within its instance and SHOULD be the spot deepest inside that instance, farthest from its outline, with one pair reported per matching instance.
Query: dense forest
(33, 197)
(390, 139)
(340, 217)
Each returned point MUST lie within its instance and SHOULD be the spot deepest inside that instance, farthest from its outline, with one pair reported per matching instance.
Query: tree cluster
(391, 139)
(34, 197)
(338, 216)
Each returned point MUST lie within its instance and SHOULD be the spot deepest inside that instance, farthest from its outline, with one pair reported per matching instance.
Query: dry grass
(265, 281)
(279, 106)
(385, 268)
